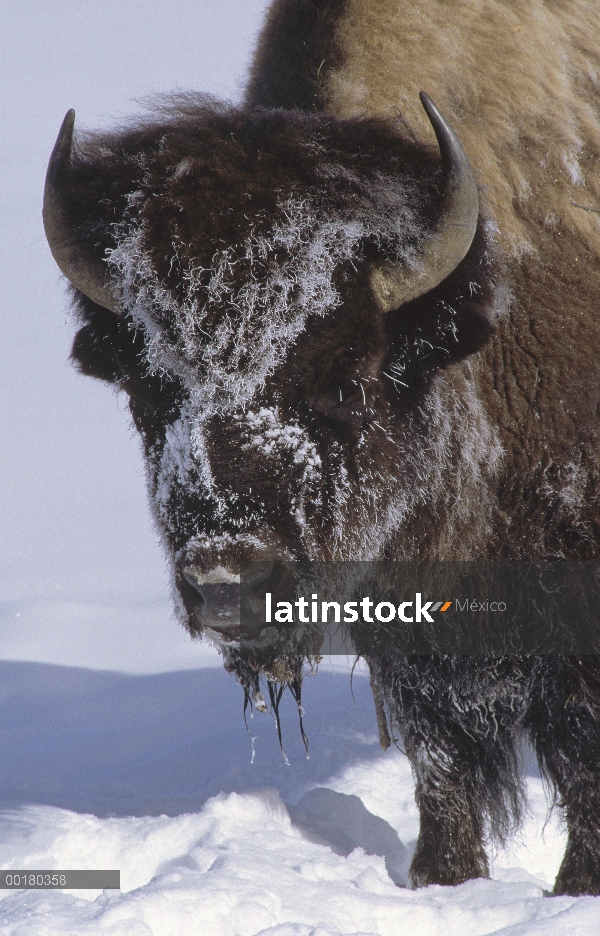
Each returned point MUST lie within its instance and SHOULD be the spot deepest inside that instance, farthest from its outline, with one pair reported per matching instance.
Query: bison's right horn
(84, 270)
(394, 283)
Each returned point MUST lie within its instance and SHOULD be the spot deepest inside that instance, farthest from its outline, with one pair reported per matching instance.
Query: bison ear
(96, 344)
(427, 335)
(392, 283)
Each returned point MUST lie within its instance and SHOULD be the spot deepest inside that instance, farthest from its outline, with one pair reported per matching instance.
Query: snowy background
(122, 741)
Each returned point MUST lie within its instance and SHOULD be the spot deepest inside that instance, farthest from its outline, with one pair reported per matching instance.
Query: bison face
(279, 295)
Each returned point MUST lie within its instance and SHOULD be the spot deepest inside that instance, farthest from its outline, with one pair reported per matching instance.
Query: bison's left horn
(394, 283)
(84, 270)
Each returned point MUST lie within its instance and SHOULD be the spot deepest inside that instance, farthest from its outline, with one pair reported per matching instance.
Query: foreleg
(564, 721)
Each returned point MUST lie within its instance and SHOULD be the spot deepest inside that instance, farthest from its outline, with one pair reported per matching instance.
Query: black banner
(445, 608)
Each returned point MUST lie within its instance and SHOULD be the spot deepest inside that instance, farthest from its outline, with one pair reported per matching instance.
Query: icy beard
(441, 461)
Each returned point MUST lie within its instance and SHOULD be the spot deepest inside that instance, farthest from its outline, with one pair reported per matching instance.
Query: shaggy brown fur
(224, 177)
(298, 48)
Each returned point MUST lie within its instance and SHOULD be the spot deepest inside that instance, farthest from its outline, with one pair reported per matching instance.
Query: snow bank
(241, 868)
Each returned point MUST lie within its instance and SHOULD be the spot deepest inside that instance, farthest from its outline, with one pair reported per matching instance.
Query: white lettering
(325, 606)
(422, 609)
(284, 613)
(390, 609)
(366, 605)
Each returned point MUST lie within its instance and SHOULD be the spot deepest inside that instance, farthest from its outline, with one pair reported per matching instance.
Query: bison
(343, 341)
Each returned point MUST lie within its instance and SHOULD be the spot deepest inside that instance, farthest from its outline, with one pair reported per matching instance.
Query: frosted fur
(429, 476)
(266, 432)
(175, 464)
(259, 317)
(182, 466)
(269, 434)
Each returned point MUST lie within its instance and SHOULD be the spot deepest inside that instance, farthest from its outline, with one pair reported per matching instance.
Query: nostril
(221, 601)
(192, 579)
(189, 590)
(216, 602)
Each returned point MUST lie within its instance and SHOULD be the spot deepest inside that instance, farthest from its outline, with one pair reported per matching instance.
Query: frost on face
(179, 476)
(175, 465)
(234, 322)
(270, 436)
(343, 505)
(445, 457)
(266, 433)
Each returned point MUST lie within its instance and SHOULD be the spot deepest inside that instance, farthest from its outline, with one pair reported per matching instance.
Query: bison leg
(458, 719)
(564, 721)
(450, 845)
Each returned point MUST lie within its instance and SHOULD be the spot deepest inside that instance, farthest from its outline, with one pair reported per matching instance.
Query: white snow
(536, 850)
(239, 866)
(208, 842)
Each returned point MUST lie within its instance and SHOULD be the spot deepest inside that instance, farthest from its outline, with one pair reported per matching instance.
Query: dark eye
(346, 400)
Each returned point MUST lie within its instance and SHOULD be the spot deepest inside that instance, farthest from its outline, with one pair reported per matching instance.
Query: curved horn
(392, 282)
(85, 271)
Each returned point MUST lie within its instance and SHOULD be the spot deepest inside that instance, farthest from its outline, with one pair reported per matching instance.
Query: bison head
(281, 296)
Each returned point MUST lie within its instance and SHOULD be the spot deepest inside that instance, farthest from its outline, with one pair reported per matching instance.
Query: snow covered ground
(153, 774)
(122, 741)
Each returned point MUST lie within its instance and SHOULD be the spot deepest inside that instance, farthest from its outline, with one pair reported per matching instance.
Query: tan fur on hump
(518, 79)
